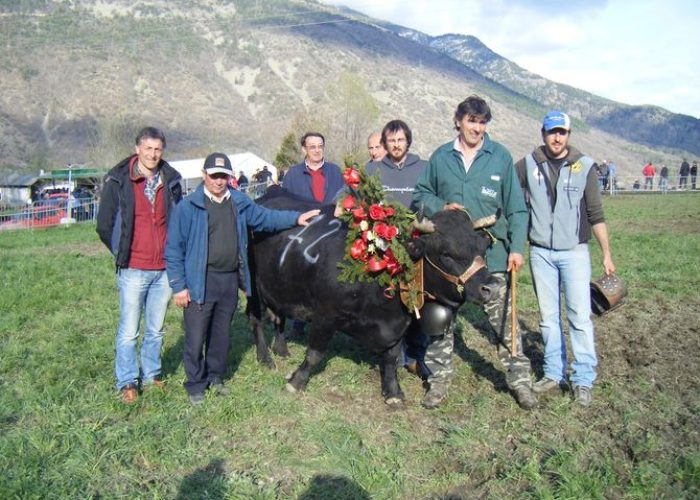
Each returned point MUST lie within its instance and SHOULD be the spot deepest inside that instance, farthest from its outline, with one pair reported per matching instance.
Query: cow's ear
(415, 248)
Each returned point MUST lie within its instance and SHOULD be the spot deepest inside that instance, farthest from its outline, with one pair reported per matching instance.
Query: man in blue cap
(561, 191)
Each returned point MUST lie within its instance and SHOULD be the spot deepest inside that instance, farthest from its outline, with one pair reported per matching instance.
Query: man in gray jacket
(561, 191)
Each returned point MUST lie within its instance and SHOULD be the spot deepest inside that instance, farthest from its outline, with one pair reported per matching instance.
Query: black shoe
(197, 398)
(217, 385)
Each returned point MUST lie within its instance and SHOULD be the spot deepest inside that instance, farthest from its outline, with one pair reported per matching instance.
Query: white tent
(249, 163)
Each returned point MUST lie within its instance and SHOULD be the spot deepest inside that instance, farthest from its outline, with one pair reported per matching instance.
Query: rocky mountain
(649, 125)
(80, 77)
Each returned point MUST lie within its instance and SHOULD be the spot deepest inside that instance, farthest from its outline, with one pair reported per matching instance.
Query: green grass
(64, 434)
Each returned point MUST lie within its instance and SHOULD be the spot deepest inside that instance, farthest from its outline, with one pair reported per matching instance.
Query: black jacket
(115, 218)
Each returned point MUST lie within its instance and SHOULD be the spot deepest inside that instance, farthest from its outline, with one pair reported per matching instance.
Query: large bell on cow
(607, 293)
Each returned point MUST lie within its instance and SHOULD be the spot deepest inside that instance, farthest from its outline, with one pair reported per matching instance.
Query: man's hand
(303, 219)
(182, 299)
(453, 206)
(515, 261)
(608, 264)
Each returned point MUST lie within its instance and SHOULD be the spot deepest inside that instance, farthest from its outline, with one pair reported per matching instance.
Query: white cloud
(636, 52)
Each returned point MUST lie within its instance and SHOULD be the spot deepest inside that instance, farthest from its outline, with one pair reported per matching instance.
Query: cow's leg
(391, 390)
(320, 336)
(279, 346)
(261, 350)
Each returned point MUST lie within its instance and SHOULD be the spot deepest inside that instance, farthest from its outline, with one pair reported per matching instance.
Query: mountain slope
(80, 78)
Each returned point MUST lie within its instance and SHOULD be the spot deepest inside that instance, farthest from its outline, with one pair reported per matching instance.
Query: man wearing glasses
(399, 170)
(314, 179)
(565, 205)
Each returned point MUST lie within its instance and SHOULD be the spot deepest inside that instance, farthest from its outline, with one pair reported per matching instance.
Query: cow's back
(297, 276)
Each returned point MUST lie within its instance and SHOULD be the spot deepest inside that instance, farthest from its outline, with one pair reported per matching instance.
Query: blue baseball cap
(556, 119)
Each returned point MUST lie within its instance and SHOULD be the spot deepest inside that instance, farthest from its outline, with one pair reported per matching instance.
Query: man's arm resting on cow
(303, 219)
(600, 231)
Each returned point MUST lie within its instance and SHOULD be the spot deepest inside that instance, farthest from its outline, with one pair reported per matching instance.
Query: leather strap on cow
(414, 290)
(459, 281)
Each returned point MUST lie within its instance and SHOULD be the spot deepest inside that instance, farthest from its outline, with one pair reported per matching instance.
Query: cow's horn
(487, 221)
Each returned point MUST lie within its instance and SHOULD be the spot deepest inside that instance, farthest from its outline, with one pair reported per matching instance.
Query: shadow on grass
(325, 486)
(207, 482)
(532, 347)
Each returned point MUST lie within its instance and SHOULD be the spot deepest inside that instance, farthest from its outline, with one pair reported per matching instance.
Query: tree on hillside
(355, 113)
(289, 152)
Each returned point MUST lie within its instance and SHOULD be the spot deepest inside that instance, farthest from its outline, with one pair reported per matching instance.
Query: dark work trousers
(207, 331)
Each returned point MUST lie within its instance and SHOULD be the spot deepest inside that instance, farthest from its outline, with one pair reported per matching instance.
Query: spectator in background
(663, 179)
(242, 180)
(374, 147)
(649, 172)
(612, 176)
(683, 175)
(694, 174)
(206, 259)
(265, 175)
(137, 199)
(280, 175)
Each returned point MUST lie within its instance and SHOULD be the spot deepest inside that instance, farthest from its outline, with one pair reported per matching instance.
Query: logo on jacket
(488, 192)
(576, 167)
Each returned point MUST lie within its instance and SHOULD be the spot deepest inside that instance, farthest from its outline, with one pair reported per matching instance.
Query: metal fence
(56, 211)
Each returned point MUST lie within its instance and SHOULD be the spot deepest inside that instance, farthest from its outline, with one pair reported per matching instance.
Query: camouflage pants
(498, 310)
(438, 356)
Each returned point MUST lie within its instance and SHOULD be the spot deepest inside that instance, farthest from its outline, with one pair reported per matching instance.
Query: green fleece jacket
(489, 187)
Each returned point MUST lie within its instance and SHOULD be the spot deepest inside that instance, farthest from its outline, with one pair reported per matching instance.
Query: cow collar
(459, 281)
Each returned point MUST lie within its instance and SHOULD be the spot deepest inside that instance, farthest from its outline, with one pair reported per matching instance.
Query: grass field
(64, 434)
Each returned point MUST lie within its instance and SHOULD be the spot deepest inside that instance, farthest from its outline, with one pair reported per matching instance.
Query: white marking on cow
(335, 225)
(313, 259)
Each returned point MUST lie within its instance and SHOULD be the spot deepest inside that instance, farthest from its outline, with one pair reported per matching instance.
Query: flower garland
(376, 229)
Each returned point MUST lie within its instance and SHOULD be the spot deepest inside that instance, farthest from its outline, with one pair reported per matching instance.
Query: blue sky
(635, 52)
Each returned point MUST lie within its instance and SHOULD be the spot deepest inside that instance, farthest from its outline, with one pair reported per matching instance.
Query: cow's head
(454, 268)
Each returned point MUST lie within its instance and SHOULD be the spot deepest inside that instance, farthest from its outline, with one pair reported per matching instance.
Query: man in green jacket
(476, 174)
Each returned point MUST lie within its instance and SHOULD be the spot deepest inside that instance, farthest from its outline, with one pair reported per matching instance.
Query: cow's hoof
(291, 388)
(266, 361)
(394, 401)
(289, 376)
(282, 352)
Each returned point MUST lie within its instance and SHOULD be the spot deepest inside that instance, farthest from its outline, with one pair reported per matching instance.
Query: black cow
(295, 274)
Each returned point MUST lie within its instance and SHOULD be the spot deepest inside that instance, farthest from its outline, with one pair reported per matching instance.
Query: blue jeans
(146, 291)
(572, 270)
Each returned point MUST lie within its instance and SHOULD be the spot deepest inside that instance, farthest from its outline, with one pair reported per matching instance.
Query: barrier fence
(57, 211)
(54, 212)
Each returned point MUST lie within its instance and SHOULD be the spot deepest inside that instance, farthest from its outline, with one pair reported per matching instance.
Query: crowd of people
(686, 178)
(193, 248)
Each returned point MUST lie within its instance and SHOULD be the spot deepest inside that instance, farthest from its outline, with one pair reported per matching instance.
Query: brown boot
(128, 394)
(435, 396)
(525, 397)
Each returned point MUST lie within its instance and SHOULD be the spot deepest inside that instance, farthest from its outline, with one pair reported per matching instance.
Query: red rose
(352, 177)
(358, 250)
(389, 211)
(348, 202)
(359, 213)
(392, 265)
(364, 236)
(380, 229)
(386, 231)
(376, 212)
